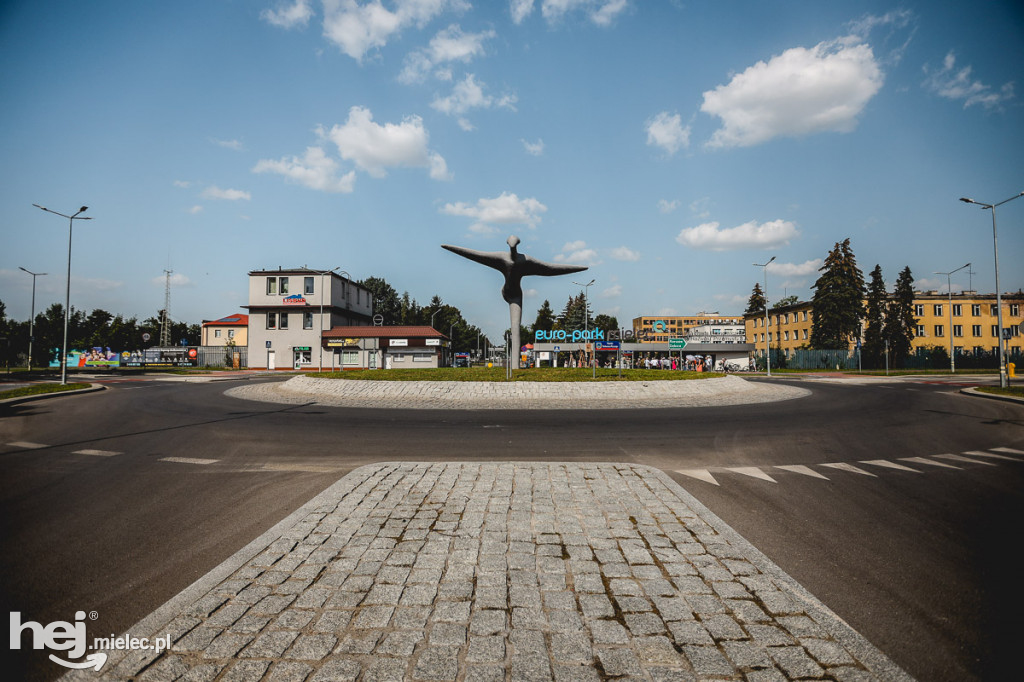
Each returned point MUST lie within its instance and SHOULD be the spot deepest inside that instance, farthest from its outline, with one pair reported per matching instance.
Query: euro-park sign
(577, 335)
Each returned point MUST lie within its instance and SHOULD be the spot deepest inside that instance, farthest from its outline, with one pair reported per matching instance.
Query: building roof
(234, 320)
(300, 271)
(392, 332)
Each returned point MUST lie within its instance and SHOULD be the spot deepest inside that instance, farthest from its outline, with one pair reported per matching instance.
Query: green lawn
(1015, 391)
(40, 389)
(498, 374)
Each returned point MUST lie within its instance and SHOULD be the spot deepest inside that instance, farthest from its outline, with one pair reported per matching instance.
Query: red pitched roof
(392, 332)
(235, 320)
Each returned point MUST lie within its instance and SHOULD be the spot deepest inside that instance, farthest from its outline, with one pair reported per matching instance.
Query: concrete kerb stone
(460, 570)
(56, 394)
(730, 390)
(992, 396)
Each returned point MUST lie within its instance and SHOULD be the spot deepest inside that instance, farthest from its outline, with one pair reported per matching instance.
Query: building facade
(968, 318)
(391, 347)
(661, 328)
(289, 310)
(231, 330)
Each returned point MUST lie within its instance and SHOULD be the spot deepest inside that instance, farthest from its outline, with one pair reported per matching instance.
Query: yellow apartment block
(660, 328)
(968, 316)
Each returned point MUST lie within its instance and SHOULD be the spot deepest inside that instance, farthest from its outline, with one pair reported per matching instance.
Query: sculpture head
(513, 241)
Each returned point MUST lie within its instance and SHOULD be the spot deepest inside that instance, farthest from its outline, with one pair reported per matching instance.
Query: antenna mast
(165, 323)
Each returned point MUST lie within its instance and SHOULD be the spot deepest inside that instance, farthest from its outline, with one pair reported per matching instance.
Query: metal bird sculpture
(514, 266)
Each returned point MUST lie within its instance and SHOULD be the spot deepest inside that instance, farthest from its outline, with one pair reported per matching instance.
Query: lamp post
(586, 316)
(32, 319)
(1003, 380)
(767, 334)
(949, 291)
(322, 292)
(67, 297)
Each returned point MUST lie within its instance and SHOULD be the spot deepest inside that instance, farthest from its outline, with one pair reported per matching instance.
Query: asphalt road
(923, 563)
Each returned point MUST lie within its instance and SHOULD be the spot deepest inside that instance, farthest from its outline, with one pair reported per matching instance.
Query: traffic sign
(676, 344)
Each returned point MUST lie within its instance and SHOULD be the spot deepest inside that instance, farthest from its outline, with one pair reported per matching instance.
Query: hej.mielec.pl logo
(59, 636)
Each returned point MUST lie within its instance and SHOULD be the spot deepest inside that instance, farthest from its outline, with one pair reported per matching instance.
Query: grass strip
(40, 389)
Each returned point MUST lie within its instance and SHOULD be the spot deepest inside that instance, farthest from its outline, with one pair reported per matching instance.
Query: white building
(289, 310)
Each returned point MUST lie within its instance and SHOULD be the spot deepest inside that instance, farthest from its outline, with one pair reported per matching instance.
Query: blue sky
(666, 145)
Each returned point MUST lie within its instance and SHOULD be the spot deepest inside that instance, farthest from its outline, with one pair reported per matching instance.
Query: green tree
(900, 323)
(873, 350)
(385, 299)
(755, 304)
(788, 300)
(838, 300)
(545, 318)
(605, 322)
(576, 313)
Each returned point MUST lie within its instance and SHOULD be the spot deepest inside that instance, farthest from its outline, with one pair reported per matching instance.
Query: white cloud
(467, 95)
(746, 236)
(577, 253)
(507, 209)
(374, 148)
(625, 253)
(938, 284)
(667, 132)
(601, 12)
(520, 9)
(177, 280)
(700, 207)
(958, 84)
(229, 144)
(795, 269)
(182, 183)
(449, 45)
(195, 209)
(358, 28)
(314, 170)
(800, 92)
(534, 148)
(612, 292)
(296, 14)
(214, 192)
(666, 206)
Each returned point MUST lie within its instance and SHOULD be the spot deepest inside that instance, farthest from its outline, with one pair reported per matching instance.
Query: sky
(668, 146)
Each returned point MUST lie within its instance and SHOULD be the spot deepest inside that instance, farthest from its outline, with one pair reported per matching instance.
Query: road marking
(96, 453)
(1009, 450)
(979, 453)
(313, 468)
(887, 463)
(922, 460)
(699, 474)
(843, 466)
(959, 458)
(189, 460)
(753, 472)
(27, 445)
(801, 469)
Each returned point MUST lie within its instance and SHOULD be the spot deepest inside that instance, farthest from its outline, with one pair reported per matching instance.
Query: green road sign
(676, 344)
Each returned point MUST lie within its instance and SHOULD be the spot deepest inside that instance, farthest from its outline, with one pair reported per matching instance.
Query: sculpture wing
(492, 259)
(532, 266)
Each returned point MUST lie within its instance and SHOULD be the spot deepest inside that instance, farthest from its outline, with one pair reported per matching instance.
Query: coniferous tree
(756, 302)
(873, 351)
(838, 300)
(900, 322)
(545, 318)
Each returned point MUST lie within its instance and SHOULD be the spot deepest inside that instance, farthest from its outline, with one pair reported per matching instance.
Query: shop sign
(294, 299)
(433, 342)
(399, 342)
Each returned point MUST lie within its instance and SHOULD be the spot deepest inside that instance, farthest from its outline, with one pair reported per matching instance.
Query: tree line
(842, 302)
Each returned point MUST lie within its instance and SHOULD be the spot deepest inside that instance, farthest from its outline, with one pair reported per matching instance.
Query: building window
(920, 330)
(939, 331)
(786, 337)
(937, 310)
(284, 286)
(307, 285)
(271, 286)
(231, 333)
(307, 320)
(993, 309)
(350, 357)
(976, 330)
(271, 320)
(957, 310)
(918, 310)
(216, 333)
(958, 330)
(283, 322)
(995, 331)
(976, 310)
(1014, 310)
(804, 333)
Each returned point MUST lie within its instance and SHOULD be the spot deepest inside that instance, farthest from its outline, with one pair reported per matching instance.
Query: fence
(935, 357)
(224, 356)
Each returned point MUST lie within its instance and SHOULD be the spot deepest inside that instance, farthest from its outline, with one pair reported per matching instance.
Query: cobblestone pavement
(730, 390)
(499, 571)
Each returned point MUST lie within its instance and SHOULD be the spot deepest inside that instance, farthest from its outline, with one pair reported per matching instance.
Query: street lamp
(32, 319)
(767, 340)
(586, 304)
(949, 291)
(67, 297)
(322, 292)
(1003, 381)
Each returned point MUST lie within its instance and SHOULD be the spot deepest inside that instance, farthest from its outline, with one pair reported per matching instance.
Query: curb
(992, 396)
(42, 396)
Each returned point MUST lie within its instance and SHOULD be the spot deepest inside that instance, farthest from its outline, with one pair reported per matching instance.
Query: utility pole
(165, 323)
